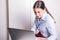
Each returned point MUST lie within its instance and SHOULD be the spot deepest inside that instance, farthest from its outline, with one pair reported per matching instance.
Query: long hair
(41, 4)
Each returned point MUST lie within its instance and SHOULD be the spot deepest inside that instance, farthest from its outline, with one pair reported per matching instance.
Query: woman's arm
(51, 30)
(33, 27)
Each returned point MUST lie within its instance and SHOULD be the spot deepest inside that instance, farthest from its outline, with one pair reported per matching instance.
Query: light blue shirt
(46, 26)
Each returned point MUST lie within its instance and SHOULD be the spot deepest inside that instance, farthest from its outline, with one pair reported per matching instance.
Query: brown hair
(41, 4)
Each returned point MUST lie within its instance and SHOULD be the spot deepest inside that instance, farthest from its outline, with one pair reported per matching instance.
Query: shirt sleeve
(51, 29)
(33, 27)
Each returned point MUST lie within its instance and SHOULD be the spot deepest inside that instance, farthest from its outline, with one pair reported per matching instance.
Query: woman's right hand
(36, 31)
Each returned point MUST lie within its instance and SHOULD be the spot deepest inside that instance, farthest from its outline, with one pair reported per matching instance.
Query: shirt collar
(44, 15)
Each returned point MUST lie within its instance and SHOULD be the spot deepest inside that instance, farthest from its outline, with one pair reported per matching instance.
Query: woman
(43, 25)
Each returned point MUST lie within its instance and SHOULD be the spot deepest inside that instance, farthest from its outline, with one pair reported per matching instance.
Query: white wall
(3, 25)
(20, 14)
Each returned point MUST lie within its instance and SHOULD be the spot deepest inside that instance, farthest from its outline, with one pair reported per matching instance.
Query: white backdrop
(19, 14)
(3, 20)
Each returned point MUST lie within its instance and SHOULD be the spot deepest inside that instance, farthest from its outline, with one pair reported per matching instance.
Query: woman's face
(39, 12)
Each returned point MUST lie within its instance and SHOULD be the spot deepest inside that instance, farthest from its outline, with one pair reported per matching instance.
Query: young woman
(43, 25)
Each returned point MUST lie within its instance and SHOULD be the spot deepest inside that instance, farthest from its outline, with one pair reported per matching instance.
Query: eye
(38, 11)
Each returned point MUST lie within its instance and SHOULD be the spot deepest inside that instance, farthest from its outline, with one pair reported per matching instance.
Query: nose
(37, 14)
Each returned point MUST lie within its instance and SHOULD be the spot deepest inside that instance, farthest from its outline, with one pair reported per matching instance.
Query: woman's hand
(41, 38)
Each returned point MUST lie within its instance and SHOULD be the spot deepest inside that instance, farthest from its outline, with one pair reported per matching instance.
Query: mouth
(39, 17)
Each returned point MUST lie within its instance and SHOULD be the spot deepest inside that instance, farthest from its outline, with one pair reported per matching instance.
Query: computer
(18, 34)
